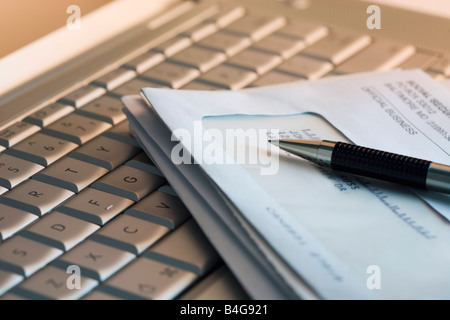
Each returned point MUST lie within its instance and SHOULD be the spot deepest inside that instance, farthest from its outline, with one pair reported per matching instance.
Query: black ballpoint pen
(372, 163)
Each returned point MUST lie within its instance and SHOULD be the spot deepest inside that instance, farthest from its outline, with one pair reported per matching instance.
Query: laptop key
(59, 230)
(76, 128)
(24, 256)
(382, 55)
(442, 66)
(199, 58)
(227, 14)
(171, 75)
(12, 220)
(130, 234)
(15, 170)
(285, 47)
(134, 87)
(49, 114)
(338, 46)
(256, 61)
(274, 77)
(105, 109)
(229, 77)
(95, 206)
(122, 133)
(149, 279)
(228, 43)
(8, 280)
(419, 60)
(35, 197)
(306, 67)
(257, 27)
(218, 285)
(96, 260)
(309, 32)
(105, 152)
(173, 46)
(200, 31)
(82, 96)
(16, 133)
(54, 284)
(3, 190)
(115, 78)
(161, 208)
(186, 248)
(42, 149)
(145, 61)
(71, 174)
(129, 182)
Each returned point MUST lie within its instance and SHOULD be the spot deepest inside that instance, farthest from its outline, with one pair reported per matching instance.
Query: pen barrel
(380, 165)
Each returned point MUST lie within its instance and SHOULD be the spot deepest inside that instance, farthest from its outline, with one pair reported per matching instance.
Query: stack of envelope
(288, 228)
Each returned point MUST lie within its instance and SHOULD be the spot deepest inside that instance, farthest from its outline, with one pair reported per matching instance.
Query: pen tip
(275, 142)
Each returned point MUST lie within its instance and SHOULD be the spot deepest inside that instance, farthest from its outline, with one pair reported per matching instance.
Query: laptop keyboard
(78, 191)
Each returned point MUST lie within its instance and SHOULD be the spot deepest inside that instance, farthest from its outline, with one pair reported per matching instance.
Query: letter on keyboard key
(129, 182)
(71, 174)
(95, 206)
(162, 208)
(13, 220)
(51, 283)
(96, 260)
(24, 256)
(42, 149)
(148, 279)
(60, 231)
(130, 234)
(35, 197)
(76, 128)
(82, 96)
(105, 152)
(16, 132)
(186, 248)
(382, 55)
(15, 170)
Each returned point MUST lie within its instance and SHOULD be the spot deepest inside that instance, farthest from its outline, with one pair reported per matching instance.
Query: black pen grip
(380, 165)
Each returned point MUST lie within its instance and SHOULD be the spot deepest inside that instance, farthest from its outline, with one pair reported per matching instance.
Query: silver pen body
(371, 163)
